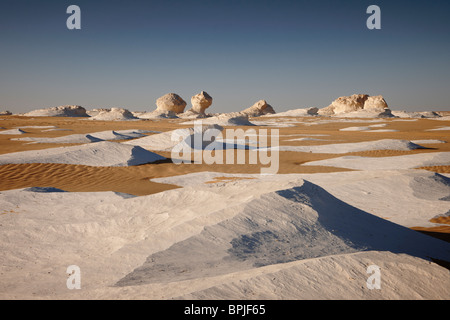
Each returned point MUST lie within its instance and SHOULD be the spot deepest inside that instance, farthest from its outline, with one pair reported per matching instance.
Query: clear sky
(294, 54)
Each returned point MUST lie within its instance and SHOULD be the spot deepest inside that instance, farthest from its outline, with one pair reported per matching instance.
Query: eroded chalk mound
(61, 111)
(416, 114)
(100, 154)
(302, 112)
(90, 137)
(358, 105)
(259, 108)
(300, 222)
(157, 114)
(226, 119)
(167, 141)
(170, 102)
(13, 131)
(386, 163)
(113, 114)
(269, 237)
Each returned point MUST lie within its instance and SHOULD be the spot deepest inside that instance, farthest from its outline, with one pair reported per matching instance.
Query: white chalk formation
(170, 102)
(113, 114)
(200, 102)
(357, 104)
(99, 154)
(61, 111)
(172, 106)
(259, 108)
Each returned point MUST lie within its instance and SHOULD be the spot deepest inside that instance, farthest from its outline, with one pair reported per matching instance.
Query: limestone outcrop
(113, 114)
(170, 102)
(357, 103)
(375, 104)
(61, 111)
(200, 102)
(260, 108)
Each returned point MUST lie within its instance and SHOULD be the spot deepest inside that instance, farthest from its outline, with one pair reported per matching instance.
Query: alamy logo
(74, 21)
(374, 21)
(207, 145)
(374, 281)
(74, 279)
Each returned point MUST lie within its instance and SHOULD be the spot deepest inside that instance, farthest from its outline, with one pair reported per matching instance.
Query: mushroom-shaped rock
(200, 102)
(170, 102)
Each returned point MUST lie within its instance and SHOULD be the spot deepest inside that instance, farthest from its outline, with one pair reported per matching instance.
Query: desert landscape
(356, 185)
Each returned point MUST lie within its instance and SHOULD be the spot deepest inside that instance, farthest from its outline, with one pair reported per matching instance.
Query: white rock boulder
(349, 104)
(170, 102)
(260, 108)
(200, 102)
(375, 104)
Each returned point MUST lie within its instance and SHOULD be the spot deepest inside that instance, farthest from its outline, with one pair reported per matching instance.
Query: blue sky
(293, 54)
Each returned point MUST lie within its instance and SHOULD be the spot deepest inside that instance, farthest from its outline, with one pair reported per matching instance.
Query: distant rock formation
(113, 114)
(94, 112)
(416, 114)
(225, 119)
(61, 111)
(312, 111)
(375, 104)
(156, 114)
(170, 102)
(260, 108)
(200, 102)
(357, 103)
(5, 113)
(240, 118)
